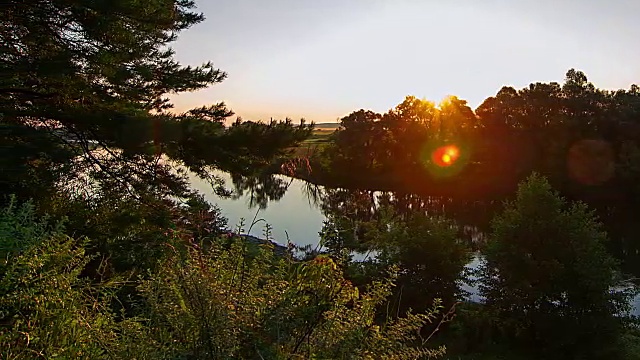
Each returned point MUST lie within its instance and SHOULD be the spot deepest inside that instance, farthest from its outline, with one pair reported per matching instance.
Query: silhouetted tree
(548, 278)
(76, 74)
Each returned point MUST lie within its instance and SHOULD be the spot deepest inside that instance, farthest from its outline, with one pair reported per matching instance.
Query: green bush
(431, 256)
(222, 300)
(47, 310)
(219, 304)
(549, 279)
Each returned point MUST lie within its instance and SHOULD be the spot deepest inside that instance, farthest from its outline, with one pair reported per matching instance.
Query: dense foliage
(47, 310)
(427, 249)
(575, 134)
(222, 302)
(118, 257)
(582, 139)
(548, 277)
(76, 75)
(106, 252)
(547, 286)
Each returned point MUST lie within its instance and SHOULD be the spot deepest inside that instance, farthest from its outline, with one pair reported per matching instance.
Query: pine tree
(80, 74)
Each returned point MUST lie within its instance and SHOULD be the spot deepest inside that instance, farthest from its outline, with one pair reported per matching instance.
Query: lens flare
(445, 160)
(445, 155)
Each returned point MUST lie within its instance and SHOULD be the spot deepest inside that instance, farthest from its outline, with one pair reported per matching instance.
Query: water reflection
(288, 201)
(297, 210)
(260, 189)
(364, 206)
(290, 213)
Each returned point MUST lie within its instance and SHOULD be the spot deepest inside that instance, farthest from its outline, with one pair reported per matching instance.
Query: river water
(294, 217)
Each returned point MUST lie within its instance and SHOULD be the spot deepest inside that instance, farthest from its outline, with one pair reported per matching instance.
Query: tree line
(577, 135)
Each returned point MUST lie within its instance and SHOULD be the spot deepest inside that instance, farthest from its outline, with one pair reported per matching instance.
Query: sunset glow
(272, 59)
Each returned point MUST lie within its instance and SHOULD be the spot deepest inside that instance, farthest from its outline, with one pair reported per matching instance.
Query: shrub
(431, 257)
(46, 309)
(222, 300)
(220, 304)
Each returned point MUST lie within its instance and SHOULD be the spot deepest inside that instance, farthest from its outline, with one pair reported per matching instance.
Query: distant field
(320, 136)
(318, 140)
(327, 126)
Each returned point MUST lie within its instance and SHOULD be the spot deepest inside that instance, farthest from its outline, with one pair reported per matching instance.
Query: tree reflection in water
(260, 189)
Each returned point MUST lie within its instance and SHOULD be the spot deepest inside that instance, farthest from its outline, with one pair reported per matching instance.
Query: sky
(322, 59)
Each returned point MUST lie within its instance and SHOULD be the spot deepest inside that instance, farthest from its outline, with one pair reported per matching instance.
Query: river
(294, 217)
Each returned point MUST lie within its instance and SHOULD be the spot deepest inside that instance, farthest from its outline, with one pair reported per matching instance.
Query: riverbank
(278, 249)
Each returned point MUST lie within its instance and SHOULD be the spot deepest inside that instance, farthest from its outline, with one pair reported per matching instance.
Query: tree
(431, 258)
(548, 278)
(540, 123)
(399, 230)
(357, 141)
(457, 120)
(409, 125)
(76, 74)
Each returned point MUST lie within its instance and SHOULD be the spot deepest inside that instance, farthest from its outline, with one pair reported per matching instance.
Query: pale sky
(321, 60)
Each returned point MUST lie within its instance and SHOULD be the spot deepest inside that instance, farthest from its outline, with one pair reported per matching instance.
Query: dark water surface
(292, 211)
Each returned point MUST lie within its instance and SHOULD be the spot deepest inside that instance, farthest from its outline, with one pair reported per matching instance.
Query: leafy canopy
(548, 277)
